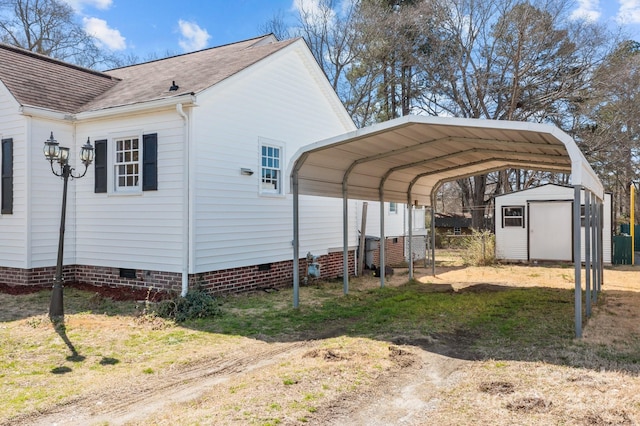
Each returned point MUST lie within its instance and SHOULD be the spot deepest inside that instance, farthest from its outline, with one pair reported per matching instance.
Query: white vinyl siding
(234, 224)
(138, 232)
(14, 241)
(46, 195)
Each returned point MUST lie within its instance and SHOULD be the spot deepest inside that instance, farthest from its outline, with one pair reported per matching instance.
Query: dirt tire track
(404, 396)
(134, 401)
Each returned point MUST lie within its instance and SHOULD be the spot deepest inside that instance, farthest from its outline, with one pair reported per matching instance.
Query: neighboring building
(537, 224)
(453, 224)
(189, 184)
(396, 227)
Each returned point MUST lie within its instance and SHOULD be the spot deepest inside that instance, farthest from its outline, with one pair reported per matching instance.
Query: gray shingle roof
(39, 81)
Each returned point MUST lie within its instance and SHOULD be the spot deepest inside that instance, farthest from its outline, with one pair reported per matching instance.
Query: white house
(188, 184)
(537, 224)
(396, 225)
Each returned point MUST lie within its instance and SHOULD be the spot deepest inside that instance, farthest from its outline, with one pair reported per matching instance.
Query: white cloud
(78, 5)
(314, 11)
(588, 10)
(109, 37)
(192, 36)
(629, 12)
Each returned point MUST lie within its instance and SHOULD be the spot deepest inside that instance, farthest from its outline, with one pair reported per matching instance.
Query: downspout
(186, 200)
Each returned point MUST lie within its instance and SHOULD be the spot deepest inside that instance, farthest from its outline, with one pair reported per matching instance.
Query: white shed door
(550, 231)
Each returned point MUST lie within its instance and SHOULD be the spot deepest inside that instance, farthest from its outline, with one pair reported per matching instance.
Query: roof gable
(39, 81)
(544, 187)
(191, 73)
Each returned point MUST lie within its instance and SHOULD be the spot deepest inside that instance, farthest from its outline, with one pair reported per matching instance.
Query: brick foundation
(394, 252)
(235, 280)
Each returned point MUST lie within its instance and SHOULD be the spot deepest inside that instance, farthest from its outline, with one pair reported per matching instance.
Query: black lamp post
(54, 152)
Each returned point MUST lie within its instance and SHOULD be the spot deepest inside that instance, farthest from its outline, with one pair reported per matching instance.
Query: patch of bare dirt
(114, 293)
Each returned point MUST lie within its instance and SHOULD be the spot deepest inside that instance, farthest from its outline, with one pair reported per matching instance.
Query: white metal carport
(405, 160)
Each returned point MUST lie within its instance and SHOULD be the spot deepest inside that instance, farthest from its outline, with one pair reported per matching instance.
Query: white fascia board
(186, 100)
(45, 113)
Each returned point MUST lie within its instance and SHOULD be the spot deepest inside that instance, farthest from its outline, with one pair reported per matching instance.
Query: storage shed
(537, 225)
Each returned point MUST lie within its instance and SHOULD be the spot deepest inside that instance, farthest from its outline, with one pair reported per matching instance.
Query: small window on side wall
(271, 158)
(393, 208)
(513, 216)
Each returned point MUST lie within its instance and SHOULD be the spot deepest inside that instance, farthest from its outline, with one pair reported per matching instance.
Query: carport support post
(587, 249)
(345, 239)
(382, 240)
(600, 245)
(433, 235)
(577, 261)
(595, 251)
(296, 242)
(410, 224)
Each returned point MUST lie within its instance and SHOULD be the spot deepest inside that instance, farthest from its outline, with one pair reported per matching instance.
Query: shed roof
(407, 158)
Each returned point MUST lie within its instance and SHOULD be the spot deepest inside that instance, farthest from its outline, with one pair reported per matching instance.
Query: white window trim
(395, 209)
(112, 188)
(504, 224)
(281, 193)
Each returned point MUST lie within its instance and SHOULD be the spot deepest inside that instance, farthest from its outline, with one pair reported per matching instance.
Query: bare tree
(608, 116)
(508, 60)
(49, 27)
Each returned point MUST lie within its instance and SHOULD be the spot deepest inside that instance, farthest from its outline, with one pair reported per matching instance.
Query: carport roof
(411, 156)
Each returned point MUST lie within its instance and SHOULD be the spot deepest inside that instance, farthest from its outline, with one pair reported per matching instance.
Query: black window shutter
(150, 162)
(7, 177)
(100, 166)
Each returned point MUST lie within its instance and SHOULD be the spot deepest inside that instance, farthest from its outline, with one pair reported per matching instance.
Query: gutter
(186, 198)
(187, 99)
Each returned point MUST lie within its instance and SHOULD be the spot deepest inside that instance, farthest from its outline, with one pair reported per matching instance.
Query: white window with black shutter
(6, 176)
(126, 164)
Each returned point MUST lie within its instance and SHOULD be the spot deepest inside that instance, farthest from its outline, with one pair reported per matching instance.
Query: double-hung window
(393, 208)
(271, 169)
(513, 216)
(126, 165)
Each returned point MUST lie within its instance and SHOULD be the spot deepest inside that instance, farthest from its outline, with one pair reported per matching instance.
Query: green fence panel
(624, 229)
(622, 250)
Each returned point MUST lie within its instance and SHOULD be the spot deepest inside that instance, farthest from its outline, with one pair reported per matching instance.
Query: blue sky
(146, 27)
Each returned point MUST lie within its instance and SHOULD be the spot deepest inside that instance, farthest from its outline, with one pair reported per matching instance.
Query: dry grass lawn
(126, 368)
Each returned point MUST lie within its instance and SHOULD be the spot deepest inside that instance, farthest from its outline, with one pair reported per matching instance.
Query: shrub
(479, 248)
(196, 304)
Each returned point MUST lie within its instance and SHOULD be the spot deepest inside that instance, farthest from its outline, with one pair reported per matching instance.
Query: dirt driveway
(398, 383)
